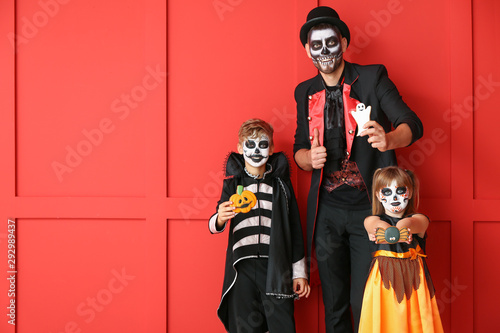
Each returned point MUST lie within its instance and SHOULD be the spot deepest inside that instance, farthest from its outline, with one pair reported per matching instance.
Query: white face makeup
(256, 150)
(394, 198)
(326, 49)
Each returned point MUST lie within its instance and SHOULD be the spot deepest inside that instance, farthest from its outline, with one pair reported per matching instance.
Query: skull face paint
(256, 150)
(394, 198)
(326, 49)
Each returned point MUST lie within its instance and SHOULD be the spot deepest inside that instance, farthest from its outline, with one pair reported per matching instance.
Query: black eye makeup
(333, 41)
(316, 45)
(386, 191)
(401, 190)
(250, 144)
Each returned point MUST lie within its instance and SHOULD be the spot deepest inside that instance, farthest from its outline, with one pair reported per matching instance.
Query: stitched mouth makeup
(326, 49)
(256, 150)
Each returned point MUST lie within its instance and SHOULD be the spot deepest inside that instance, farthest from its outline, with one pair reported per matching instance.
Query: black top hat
(323, 14)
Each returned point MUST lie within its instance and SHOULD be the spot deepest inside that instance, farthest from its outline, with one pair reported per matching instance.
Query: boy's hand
(225, 213)
(301, 287)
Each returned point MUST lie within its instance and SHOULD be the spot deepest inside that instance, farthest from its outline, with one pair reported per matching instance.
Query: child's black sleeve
(298, 251)
(227, 191)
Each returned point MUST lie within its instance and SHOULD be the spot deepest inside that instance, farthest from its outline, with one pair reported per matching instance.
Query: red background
(116, 117)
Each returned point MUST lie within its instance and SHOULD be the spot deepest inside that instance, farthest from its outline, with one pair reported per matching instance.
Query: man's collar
(350, 76)
(350, 73)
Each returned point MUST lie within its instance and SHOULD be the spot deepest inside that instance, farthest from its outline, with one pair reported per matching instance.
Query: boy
(265, 260)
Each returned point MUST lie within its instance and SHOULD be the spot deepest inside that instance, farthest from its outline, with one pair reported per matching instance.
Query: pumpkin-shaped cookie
(243, 201)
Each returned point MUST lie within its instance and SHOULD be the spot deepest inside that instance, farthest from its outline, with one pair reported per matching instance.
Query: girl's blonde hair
(384, 177)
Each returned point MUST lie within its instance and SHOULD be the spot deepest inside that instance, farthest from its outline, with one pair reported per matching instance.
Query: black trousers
(343, 254)
(250, 309)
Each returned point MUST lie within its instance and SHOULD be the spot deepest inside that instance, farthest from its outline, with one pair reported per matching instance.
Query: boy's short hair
(254, 128)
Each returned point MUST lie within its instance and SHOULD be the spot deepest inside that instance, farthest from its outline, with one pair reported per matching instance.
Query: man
(343, 159)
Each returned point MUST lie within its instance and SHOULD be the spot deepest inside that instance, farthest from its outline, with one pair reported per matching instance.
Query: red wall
(116, 117)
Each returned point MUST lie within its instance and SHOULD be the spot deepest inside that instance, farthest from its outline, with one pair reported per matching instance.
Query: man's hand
(398, 138)
(376, 135)
(317, 152)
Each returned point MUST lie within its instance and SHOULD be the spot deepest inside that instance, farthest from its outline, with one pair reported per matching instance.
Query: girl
(399, 294)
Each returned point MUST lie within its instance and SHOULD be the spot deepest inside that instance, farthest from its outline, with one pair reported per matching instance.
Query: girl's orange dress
(399, 294)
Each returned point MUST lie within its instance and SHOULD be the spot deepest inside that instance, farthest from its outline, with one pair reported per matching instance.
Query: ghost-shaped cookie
(361, 115)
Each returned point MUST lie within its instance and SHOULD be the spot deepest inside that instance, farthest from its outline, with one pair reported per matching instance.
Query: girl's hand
(371, 236)
(409, 239)
(418, 224)
(405, 236)
(374, 222)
